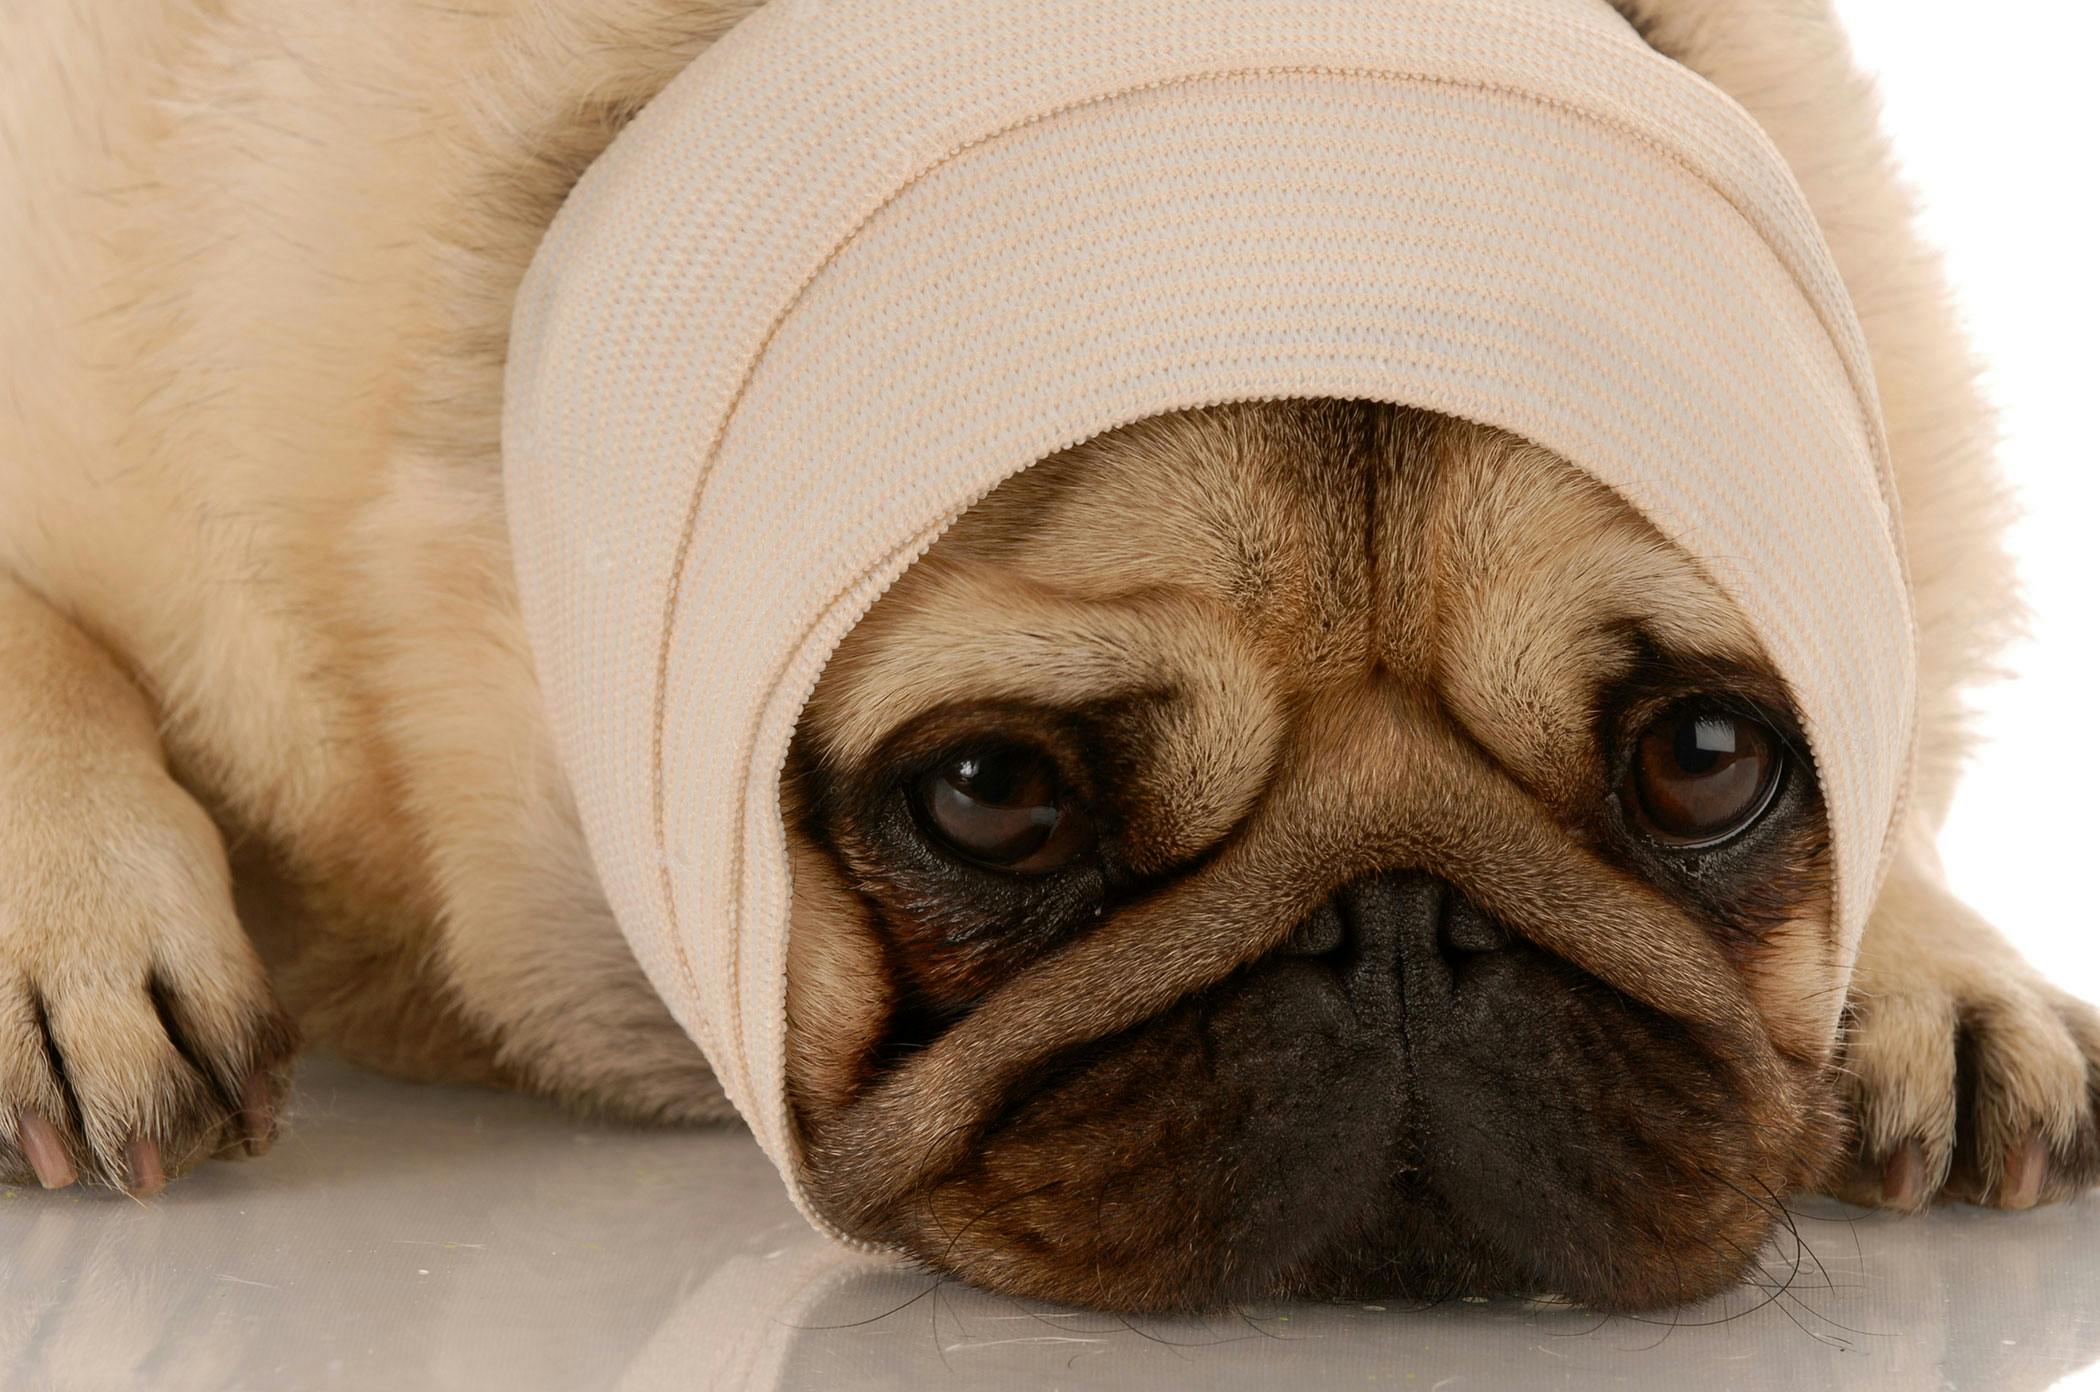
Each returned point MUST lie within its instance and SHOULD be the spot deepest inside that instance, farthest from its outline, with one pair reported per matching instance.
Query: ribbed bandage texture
(868, 258)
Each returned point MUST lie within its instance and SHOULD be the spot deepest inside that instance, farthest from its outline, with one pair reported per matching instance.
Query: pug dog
(274, 765)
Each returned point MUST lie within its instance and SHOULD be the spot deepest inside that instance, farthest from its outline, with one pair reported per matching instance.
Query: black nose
(1394, 919)
(1439, 1103)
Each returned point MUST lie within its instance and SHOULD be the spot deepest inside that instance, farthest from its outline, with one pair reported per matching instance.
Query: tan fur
(1362, 639)
(1493, 575)
(256, 258)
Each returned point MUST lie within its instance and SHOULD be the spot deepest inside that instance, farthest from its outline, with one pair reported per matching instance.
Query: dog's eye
(1702, 774)
(1004, 806)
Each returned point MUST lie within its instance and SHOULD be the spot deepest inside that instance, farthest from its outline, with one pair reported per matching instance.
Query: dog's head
(1309, 848)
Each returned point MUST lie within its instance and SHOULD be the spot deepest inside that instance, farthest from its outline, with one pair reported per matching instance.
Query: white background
(1995, 113)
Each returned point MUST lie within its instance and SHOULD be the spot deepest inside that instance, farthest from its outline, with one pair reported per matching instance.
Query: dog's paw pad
(1986, 1095)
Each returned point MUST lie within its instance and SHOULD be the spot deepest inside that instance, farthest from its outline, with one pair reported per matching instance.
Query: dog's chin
(1406, 1101)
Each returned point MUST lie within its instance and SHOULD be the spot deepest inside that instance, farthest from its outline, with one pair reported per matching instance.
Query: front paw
(138, 1033)
(1976, 1083)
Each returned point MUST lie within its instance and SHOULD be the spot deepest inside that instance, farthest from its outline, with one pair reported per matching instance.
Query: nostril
(1467, 928)
(1321, 933)
(1389, 919)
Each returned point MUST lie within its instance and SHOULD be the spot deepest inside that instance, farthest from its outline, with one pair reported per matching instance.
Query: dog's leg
(1970, 1076)
(138, 1033)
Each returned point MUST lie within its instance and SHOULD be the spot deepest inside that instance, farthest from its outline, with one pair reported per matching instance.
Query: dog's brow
(991, 636)
(1748, 677)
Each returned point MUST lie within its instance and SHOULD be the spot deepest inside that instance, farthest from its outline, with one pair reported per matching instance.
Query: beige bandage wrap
(868, 258)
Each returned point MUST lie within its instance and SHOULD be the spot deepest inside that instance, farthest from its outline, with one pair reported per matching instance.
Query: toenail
(144, 1176)
(1903, 1176)
(46, 1152)
(258, 1113)
(2026, 1165)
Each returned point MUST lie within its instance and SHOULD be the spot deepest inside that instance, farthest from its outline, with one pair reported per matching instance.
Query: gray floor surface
(406, 1237)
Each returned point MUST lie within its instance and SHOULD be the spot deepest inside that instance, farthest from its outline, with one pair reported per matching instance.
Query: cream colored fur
(256, 258)
(1927, 964)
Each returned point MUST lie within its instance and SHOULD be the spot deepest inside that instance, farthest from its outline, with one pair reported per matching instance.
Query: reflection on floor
(406, 1237)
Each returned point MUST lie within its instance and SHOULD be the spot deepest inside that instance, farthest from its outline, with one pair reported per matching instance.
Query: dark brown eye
(1703, 774)
(1003, 806)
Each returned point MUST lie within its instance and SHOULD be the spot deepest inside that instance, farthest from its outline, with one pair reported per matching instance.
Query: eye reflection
(1003, 806)
(1703, 774)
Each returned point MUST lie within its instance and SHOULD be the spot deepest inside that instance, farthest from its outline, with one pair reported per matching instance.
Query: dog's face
(1304, 849)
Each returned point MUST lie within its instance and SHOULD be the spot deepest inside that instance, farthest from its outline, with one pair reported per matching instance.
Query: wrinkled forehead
(1315, 540)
